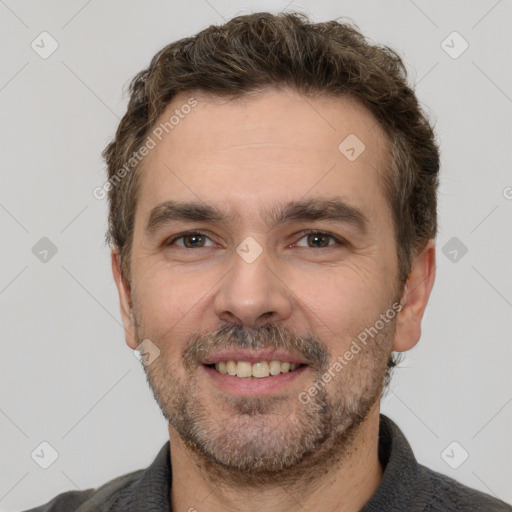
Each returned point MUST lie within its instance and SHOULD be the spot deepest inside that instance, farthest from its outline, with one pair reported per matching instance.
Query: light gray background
(67, 376)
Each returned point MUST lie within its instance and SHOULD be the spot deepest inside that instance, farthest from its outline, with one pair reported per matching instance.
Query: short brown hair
(262, 50)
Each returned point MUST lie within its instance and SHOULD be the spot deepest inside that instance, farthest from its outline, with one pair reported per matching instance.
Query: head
(299, 162)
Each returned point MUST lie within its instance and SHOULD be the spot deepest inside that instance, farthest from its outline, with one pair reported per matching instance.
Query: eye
(190, 240)
(319, 239)
(313, 240)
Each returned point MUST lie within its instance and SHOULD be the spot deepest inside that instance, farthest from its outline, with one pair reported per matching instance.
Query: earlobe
(125, 300)
(415, 298)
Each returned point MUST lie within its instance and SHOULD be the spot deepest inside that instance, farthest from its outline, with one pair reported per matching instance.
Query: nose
(252, 294)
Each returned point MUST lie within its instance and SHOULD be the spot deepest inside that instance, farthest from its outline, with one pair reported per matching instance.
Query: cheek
(340, 302)
(168, 303)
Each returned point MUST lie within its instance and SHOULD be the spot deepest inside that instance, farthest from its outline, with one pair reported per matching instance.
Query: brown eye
(318, 239)
(190, 241)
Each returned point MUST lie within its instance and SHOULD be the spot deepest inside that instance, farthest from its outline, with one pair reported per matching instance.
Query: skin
(246, 155)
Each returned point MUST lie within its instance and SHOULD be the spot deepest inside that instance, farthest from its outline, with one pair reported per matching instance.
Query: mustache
(269, 336)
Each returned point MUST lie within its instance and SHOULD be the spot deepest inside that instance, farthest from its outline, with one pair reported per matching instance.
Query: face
(275, 246)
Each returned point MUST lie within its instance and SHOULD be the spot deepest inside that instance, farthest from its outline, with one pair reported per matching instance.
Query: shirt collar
(402, 477)
(153, 488)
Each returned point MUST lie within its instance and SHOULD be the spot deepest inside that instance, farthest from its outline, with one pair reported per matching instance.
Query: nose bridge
(251, 290)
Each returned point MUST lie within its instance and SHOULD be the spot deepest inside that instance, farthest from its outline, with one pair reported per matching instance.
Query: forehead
(274, 146)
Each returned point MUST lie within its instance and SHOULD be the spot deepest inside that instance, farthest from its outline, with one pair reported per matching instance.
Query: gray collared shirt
(406, 486)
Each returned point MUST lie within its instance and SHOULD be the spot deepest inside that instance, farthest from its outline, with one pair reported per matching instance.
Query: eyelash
(338, 240)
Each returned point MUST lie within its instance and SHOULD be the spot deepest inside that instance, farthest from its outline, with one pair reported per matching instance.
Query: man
(272, 194)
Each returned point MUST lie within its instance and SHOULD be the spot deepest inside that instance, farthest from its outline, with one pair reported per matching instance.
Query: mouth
(251, 379)
(256, 370)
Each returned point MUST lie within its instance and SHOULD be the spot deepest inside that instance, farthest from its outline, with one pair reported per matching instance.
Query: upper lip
(252, 356)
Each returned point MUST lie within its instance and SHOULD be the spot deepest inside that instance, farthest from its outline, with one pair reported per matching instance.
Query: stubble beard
(248, 441)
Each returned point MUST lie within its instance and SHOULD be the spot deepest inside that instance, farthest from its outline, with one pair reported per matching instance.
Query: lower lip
(254, 387)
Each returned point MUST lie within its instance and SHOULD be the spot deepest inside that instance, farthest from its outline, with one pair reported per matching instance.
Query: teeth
(259, 370)
(243, 369)
(275, 367)
(230, 368)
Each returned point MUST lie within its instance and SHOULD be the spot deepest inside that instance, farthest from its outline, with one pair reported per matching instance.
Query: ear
(414, 298)
(124, 291)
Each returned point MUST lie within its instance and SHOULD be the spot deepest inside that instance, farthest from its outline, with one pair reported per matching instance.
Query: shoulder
(407, 485)
(69, 500)
(87, 500)
(126, 493)
(446, 494)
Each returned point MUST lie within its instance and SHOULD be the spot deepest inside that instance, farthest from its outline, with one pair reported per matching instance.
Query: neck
(343, 487)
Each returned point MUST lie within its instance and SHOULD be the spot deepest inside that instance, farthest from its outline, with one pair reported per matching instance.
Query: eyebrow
(334, 209)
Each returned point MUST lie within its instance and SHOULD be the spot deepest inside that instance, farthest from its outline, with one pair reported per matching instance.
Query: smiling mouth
(258, 370)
